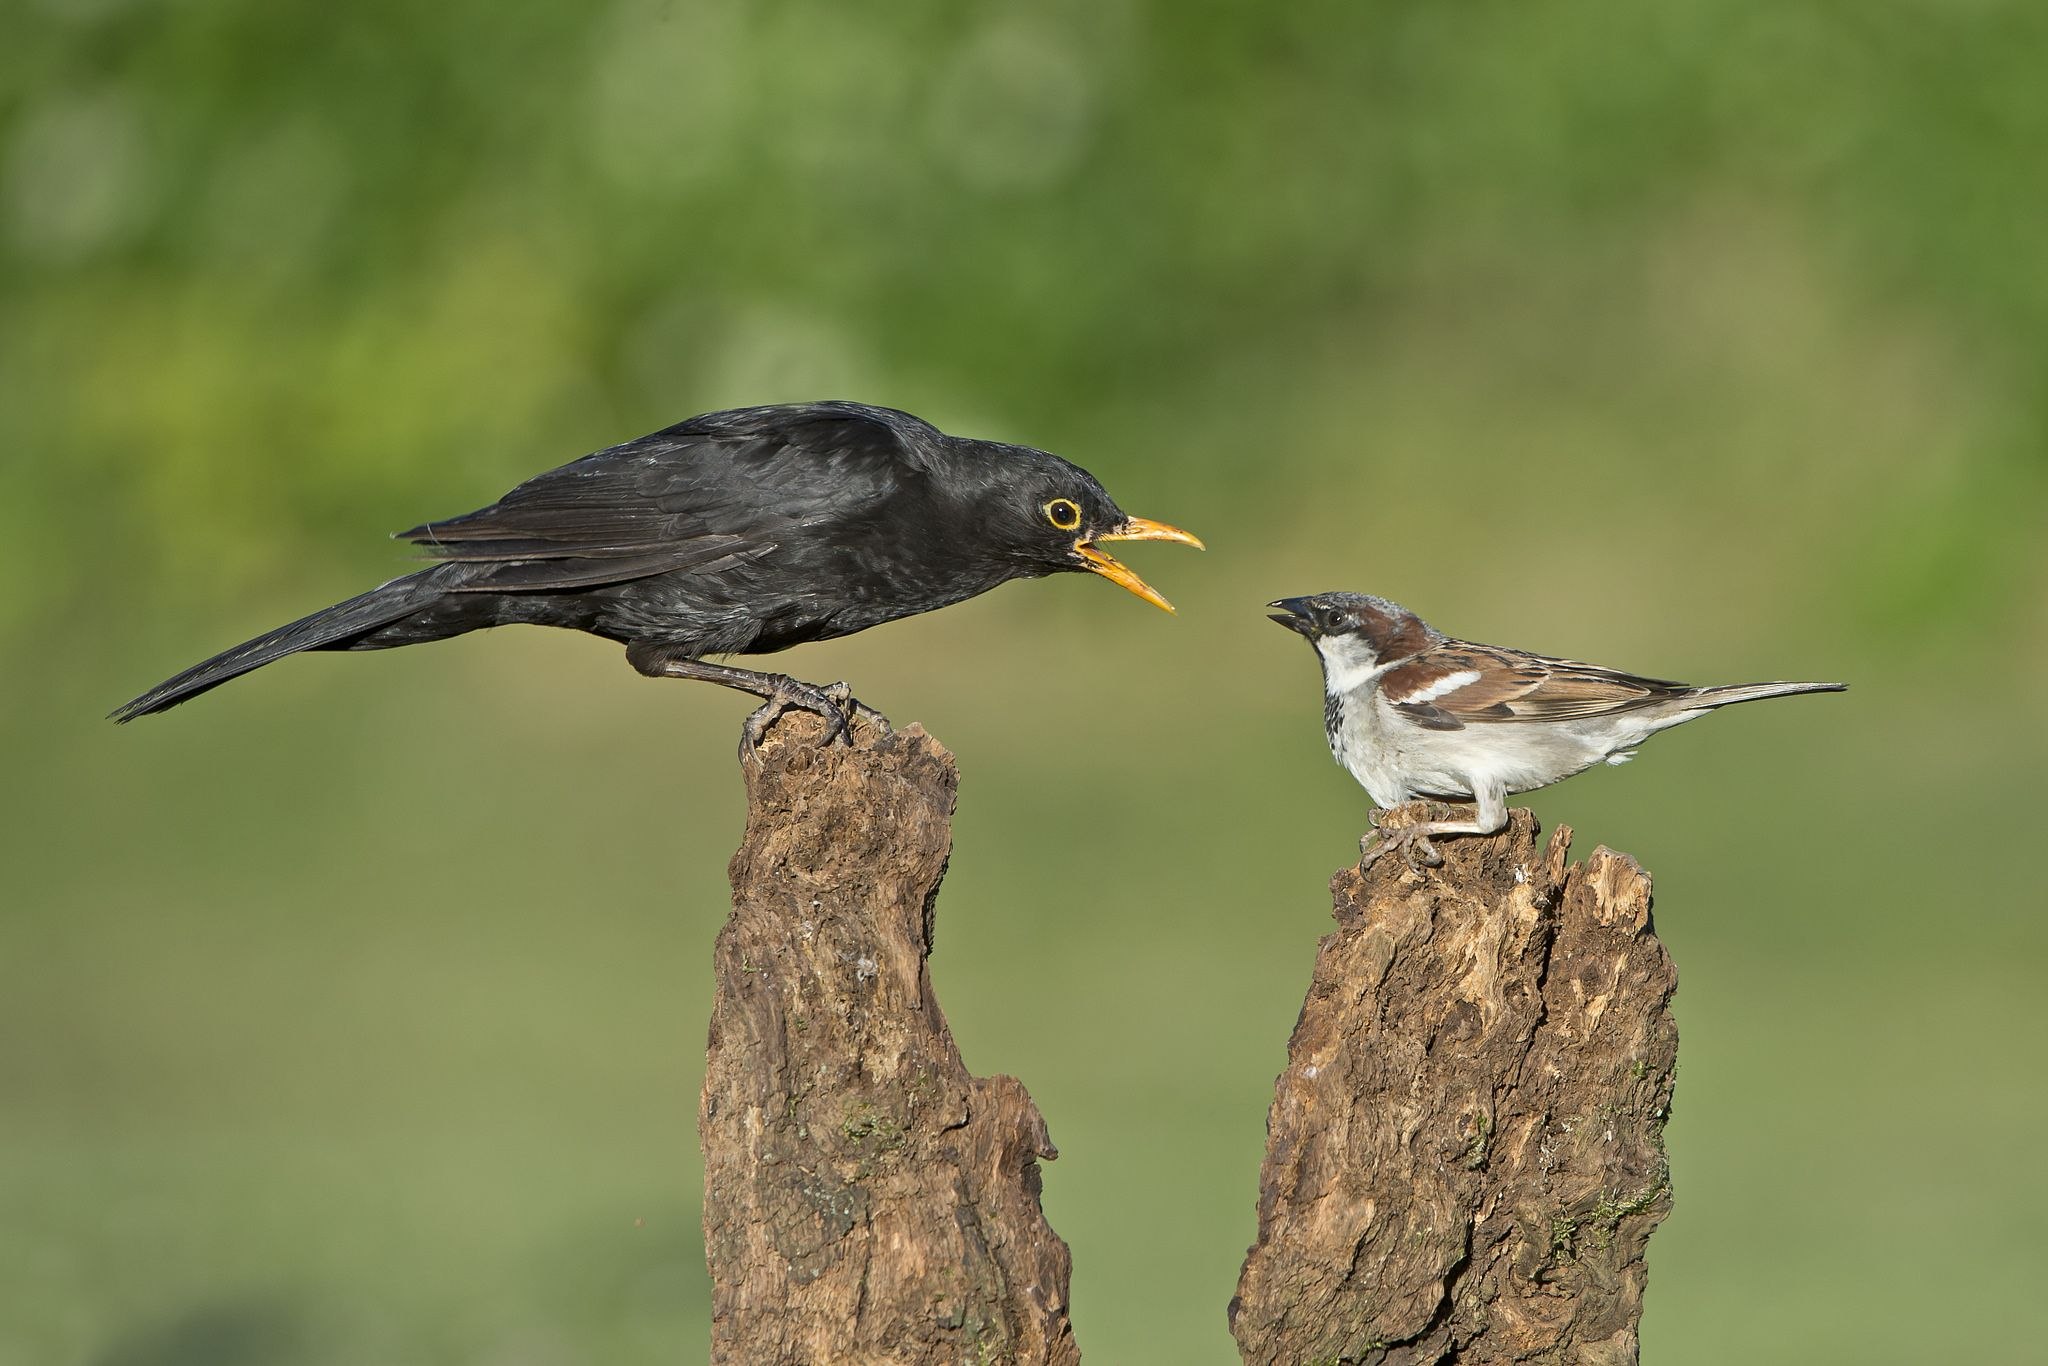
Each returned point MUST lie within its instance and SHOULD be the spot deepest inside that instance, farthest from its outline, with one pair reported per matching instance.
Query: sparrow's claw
(1412, 841)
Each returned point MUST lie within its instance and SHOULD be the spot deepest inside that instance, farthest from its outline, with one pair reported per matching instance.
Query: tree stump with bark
(1464, 1158)
(866, 1200)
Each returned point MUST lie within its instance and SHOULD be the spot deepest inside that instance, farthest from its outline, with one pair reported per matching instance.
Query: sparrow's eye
(1063, 513)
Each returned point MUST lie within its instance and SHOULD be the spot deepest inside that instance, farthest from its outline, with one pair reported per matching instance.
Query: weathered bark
(865, 1199)
(1465, 1157)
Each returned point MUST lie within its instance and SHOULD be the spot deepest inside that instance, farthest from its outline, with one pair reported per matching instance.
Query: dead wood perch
(1465, 1156)
(866, 1200)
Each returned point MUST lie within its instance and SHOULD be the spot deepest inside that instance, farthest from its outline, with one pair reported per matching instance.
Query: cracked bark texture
(866, 1200)
(1465, 1156)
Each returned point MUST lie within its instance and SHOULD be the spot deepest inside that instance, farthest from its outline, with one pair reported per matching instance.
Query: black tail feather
(326, 629)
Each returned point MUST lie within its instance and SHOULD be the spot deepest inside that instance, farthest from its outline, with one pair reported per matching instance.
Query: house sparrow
(1412, 713)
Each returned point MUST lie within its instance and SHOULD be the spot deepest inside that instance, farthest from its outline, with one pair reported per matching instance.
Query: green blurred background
(353, 1014)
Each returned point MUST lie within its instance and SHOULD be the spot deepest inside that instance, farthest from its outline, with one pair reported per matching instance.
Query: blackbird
(739, 532)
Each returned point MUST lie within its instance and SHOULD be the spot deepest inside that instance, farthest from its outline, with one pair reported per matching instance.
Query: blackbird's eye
(1063, 513)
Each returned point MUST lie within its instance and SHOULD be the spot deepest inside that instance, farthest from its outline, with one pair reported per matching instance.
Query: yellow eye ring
(1063, 513)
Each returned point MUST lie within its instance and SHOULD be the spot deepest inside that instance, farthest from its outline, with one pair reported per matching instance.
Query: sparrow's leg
(779, 693)
(1413, 840)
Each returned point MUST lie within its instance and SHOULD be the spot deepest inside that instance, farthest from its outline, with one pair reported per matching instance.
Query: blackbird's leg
(778, 692)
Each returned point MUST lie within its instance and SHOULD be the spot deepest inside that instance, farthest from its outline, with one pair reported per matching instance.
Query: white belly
(1396, 761)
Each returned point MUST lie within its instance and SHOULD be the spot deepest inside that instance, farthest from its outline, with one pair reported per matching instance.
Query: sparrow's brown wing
(1454, 683)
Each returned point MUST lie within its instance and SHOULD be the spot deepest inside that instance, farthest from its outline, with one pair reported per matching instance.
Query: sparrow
(1412, 714)
(732, 533)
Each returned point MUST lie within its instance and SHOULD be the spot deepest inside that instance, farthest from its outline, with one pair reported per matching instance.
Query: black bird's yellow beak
(1133, 529)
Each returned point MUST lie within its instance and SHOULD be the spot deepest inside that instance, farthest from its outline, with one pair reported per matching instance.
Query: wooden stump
(1464, 1157)
(866, 1200)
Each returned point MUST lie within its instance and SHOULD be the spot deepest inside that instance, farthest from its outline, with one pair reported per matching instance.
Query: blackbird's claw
(842, 700)
(854, 709)
(788, 694)
(779, 694)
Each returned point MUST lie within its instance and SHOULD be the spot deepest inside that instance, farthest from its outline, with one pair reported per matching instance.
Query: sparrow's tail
(1751, 692)
(333, 628)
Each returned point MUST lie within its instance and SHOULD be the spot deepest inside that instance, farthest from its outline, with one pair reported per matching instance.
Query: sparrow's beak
(1133, 529)
(1294, 615)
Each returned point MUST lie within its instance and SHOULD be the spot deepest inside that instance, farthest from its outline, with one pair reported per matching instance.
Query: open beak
(1293, 614)
(1133, 529)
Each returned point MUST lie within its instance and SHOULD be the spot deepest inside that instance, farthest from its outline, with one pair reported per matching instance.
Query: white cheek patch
(1449, 683)
(1348, 664)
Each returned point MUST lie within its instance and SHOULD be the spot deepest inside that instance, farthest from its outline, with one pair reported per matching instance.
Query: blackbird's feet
(786, 694)
(779, 694)
(1411, 841)
(854, 709)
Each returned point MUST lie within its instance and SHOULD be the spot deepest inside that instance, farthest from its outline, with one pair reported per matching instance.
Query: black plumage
(740, 532)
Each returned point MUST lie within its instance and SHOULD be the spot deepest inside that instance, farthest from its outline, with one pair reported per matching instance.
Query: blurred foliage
(351, 1014)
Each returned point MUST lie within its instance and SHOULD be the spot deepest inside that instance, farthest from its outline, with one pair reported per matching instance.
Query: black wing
(698, 496)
